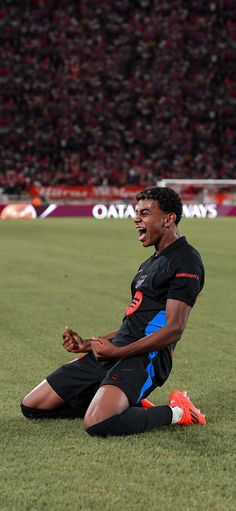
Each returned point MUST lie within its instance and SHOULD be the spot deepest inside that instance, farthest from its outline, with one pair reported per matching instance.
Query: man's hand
(72, 342)
(102, 348)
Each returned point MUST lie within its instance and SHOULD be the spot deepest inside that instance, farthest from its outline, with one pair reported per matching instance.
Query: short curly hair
(168, 200)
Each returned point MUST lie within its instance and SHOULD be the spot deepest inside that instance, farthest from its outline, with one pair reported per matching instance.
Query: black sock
(132, 421)
(63, 412)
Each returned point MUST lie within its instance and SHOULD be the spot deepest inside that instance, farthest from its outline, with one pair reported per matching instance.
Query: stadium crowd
(113, 93)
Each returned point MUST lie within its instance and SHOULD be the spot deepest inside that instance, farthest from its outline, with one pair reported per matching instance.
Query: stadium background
(99, 94)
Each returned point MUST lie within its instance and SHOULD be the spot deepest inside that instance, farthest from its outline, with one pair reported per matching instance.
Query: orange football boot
(146, 404)
(191, 414)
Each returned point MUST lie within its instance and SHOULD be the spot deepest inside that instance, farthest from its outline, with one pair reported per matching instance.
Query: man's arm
(74, 343)
(177, 314)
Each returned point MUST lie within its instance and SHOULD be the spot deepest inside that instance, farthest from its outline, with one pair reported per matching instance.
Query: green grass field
(77, 272)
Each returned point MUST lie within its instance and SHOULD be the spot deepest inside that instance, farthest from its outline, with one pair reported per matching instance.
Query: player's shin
(132, 421)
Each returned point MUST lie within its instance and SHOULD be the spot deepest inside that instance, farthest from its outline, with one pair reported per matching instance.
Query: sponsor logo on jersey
(188, 275)
(135, 304)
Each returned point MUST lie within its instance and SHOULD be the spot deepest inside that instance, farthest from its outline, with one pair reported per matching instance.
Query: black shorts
(78, 381)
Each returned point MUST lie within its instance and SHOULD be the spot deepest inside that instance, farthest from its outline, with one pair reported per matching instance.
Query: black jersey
(178, 273)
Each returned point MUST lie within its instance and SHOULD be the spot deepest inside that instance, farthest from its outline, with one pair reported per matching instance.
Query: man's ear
(170, 219)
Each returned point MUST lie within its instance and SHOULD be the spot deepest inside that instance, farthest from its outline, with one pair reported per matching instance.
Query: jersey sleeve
(187, 282)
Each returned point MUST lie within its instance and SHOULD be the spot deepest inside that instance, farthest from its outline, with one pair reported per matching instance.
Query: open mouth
(141, 233)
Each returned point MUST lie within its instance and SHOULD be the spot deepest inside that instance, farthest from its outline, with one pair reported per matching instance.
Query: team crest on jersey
(140, 281)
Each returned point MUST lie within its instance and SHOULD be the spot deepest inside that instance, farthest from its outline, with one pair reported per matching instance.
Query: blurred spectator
(108, 93)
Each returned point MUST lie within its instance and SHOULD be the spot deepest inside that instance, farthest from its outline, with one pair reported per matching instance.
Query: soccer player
(109, 383)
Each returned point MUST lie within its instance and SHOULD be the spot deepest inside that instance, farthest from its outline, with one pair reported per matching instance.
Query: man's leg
(44, 397)
(44, 403)
(109, 413)
(104, 418)
(66, 392)
(114, 409)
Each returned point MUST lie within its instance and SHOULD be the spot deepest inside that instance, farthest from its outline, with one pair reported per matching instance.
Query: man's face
(150, 222)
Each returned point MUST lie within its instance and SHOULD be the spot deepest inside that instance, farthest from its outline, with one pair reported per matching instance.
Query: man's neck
(167, 240)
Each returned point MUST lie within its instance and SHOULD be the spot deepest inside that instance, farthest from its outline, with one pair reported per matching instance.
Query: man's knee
(108, 402)
(105, 428)
(43, 397)
(62, 412)
(29, 412)
(98, 424)
(92, 418)
(32, 410)
(29, 403)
